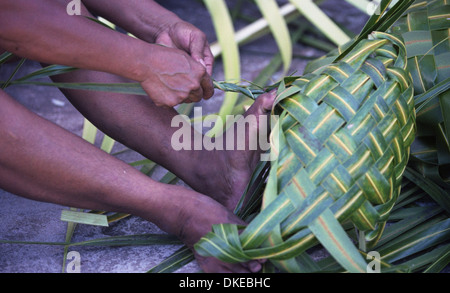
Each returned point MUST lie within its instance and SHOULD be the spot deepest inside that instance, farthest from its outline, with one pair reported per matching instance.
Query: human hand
(185, 36)
(172, 77)
(151, 22)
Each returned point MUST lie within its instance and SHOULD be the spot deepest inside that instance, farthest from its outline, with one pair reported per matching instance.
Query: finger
(196, 95)
(201, 52)
(197, 47)
(207, 86)
(262, 105)
(208, 59)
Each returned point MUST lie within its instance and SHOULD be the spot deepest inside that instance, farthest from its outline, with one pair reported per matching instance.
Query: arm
(143, 18)
(42, 30)
(41, 161)
(152, 23)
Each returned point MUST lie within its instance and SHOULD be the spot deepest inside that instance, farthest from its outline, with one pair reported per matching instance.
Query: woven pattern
(425, 29)
(349, 130)
(341, 145)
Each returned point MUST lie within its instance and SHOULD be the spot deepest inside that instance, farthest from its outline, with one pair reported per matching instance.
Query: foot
(228, 172)
(191, 222)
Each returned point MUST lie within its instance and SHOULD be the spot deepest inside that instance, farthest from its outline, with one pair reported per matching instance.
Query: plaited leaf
(341, 147)
(426, 30)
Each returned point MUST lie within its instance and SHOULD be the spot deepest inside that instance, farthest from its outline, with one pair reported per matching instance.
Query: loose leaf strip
(423, 99)
(331, 235)
(231, 58)
(124, 88)
(418, 262)
(313, 13)
(4, 57)
(177, 260)
(441, 262)
(131, 240)
(431, 188)
(136, 89)
(48, 71)
(8, 82)
(278, 26)
(128, 240)
(401, 227)
(424, 239)
(84, 218)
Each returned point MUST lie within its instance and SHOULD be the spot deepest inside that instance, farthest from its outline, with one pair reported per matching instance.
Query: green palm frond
(426, 31)
(342, 145)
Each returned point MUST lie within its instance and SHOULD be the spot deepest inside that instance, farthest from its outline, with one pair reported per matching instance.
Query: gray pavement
(26, 220)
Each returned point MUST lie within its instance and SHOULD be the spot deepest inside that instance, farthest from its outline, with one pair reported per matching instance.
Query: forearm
(43, 162)
(41, 30)
(131, 120)
(143, 18)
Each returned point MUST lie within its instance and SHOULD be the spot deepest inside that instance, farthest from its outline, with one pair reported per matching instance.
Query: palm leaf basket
(342, 143)
(425, 29)
(341, 146)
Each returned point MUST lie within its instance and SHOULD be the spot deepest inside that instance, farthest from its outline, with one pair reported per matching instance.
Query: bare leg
(137, 123)
(42, 161)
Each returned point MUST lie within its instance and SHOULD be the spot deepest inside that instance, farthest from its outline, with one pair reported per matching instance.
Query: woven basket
(341, 145)
(425, 29)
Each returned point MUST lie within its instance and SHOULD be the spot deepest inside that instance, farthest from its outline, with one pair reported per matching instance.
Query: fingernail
(202, 62)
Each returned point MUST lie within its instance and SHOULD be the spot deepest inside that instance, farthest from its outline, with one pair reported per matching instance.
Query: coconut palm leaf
(425, 29)
(423, 238)
(307, 194)
(316, 16)
(278, 26)
(318, 219)
(177, 260)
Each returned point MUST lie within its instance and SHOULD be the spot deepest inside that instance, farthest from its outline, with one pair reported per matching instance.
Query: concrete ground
(26, 220)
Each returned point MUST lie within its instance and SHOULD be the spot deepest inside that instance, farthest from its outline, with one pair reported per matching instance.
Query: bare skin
(43, 162)
(135, 121)
(169, 75)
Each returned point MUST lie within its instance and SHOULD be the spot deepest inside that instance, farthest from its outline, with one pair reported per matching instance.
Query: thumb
(197, 49)
(263, 104)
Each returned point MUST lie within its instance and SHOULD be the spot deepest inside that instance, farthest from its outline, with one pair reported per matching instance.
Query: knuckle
(199, 35)
(194, 85)
(171, 104)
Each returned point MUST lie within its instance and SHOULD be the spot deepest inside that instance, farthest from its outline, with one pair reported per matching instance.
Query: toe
(263, 104)
(254, 266)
